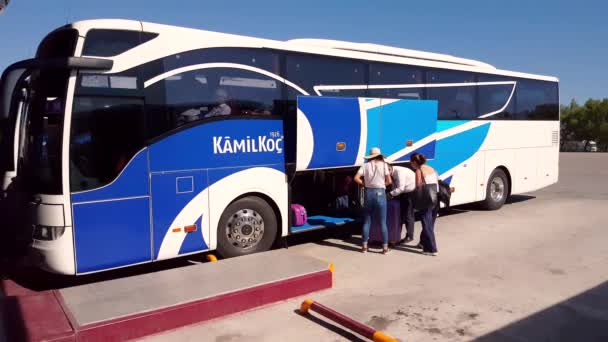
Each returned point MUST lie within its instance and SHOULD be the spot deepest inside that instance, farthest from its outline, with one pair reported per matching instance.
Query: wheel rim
(245, 229)
(497, 189)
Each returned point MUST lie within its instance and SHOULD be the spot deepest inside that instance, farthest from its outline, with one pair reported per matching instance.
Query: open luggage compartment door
(335, 132)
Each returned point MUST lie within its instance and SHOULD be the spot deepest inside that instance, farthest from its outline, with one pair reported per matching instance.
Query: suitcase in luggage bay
(393, 223)
(299, 216)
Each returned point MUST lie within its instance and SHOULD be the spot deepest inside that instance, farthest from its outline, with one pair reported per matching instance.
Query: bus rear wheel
(497, 190)
(247, 226)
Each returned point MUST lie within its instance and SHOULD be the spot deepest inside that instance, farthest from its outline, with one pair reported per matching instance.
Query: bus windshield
(39, 153)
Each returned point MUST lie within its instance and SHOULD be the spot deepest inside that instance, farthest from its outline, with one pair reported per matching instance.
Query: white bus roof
(175, 39)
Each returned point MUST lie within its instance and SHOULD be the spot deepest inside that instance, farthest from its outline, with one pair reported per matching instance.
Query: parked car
(590, 146)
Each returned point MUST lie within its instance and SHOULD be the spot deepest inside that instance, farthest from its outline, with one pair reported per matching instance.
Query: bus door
(339, 131)
(11, 107)
(112, 223)
(109, 183)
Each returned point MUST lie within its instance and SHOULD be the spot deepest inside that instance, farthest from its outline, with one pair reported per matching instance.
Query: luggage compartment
(331, 198)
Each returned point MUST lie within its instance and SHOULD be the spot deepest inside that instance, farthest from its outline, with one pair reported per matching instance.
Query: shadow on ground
(519, 198)
(333, 327)
(13, 246)
(580, 318)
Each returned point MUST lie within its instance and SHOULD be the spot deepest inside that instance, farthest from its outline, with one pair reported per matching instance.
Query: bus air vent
(555, 137)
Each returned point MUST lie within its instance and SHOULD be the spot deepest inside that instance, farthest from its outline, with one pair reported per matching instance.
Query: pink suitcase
(393, 224)
(299, 216)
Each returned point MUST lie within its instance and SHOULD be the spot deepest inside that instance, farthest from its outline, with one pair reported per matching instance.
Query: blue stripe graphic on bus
(111, 234)
(457, 148)
(405, 120)
(373, 128)
(428, 150)
(223, 143)
(194, 241)
(333, 120)
(131, 182)
(168, 201)
(444, 125)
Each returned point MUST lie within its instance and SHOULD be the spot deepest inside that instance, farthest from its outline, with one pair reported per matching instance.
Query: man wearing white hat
(374, 175)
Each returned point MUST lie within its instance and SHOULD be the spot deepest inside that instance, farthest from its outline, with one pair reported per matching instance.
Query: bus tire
(247, 226)
(497, 190)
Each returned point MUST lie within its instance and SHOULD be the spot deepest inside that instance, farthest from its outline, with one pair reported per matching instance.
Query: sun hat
(373, 153)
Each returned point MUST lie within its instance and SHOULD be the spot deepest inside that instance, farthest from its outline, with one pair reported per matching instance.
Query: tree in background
(586, 122)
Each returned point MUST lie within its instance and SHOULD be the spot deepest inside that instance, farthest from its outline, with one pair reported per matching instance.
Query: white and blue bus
(137, 142)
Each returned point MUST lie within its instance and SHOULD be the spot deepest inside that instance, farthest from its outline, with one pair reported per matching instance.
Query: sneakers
(406, 240)
(429, 253)
(385, 250)
(364, 248)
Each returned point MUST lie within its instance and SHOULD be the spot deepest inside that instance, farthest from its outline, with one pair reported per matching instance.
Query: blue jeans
(375, 208)
(427, 235)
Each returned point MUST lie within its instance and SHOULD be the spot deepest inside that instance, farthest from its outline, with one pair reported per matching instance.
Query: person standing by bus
(374, 176)
(426, 175)
(404, 183)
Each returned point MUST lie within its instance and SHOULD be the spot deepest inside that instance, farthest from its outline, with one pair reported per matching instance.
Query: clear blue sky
(567, 39)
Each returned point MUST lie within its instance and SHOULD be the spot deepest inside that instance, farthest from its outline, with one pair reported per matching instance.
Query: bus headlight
(47, 232)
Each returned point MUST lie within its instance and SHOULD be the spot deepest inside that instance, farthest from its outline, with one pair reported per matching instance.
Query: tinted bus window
(106, 133)
(456, 102)
(310, 71)
(492, 98)
(258, 58)
(536, 100)
(207, 93)
(107, 43)
(390, 75)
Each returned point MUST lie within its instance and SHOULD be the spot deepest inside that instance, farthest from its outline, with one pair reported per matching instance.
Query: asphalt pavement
(536, 270)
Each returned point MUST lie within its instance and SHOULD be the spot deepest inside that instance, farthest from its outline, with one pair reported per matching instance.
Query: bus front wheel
(497, 190)
(247, 226)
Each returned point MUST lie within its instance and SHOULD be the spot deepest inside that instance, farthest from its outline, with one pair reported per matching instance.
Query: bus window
(456, 102)
(536, 100)
(384, 79)
(107, 43)
(491, 98)
(203, 94)
(106, 133)
(322, 75)
(257, 58)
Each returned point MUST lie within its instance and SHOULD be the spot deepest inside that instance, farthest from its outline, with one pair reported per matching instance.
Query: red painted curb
(35, 318)
(181, 315)
(12, 289)
(43, 317)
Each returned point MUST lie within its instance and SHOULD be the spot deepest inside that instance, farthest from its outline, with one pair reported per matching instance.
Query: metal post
(349, 323)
